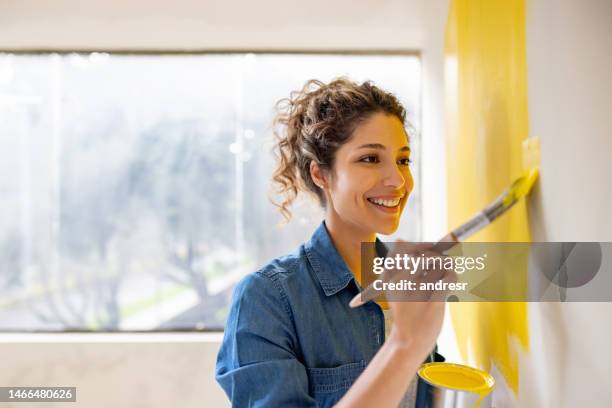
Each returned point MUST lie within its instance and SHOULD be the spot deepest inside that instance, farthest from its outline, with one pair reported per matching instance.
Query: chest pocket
(328, 385)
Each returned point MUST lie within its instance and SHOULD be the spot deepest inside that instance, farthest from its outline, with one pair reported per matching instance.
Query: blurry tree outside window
(134, 188)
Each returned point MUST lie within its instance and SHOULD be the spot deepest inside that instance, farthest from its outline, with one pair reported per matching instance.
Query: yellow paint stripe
(486, 105)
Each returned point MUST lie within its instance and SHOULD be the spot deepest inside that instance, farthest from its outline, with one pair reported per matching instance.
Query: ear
(317, 175)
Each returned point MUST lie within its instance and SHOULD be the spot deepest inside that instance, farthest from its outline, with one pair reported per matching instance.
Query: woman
(291, 339)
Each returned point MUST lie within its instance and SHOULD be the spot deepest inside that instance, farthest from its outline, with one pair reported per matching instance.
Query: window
(134, 188)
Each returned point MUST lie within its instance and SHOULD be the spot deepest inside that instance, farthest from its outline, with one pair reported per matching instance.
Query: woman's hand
(418, 314)
(417, 319)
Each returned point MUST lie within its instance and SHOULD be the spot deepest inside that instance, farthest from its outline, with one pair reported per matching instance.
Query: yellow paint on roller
(458, 377)
(486, 97)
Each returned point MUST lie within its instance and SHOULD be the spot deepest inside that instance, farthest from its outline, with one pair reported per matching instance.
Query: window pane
(134, 189)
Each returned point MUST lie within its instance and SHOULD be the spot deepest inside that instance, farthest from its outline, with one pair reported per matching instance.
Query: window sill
(152, 337)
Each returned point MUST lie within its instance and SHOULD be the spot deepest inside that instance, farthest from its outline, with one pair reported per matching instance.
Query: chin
(387, 229)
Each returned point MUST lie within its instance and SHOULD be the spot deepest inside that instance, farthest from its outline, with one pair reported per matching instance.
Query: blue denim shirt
(291, 339)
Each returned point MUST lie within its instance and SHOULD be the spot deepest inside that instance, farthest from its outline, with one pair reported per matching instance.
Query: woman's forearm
(385, 380)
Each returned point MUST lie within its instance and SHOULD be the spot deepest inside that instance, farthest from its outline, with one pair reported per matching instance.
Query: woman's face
(371, 178)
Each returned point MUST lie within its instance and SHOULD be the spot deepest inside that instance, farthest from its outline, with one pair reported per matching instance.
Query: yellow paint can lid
(457, 377)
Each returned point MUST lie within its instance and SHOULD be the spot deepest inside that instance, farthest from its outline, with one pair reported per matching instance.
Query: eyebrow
(381, 147)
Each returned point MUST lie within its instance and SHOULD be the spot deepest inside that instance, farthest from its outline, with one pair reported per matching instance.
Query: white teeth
(385, 203)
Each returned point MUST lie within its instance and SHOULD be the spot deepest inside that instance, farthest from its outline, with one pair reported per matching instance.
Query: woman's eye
(369, 159)
(405, 162)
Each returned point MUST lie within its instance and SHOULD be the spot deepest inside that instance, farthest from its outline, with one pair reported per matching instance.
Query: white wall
(433, 150)
(116, 370)
(192, 24)
(435, 224)
(569, 57)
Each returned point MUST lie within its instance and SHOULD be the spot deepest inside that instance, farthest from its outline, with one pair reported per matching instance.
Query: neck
(347, 239)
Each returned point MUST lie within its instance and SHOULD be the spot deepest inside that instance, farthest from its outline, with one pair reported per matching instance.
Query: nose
(395, 178)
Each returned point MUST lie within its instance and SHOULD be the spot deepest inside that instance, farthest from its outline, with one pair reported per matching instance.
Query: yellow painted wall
(486, 105)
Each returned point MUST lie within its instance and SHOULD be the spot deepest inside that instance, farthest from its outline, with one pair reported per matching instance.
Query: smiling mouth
(385, 203)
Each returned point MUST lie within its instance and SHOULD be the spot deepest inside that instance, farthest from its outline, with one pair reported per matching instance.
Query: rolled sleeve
(257, 365)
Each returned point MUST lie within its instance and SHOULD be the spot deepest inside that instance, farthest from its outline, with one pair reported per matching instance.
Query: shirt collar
(329, 267)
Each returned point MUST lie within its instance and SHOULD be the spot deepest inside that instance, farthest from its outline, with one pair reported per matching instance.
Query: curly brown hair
(313, 123)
